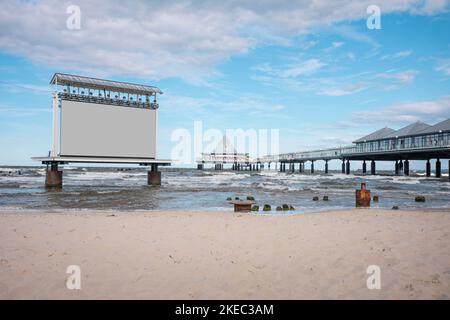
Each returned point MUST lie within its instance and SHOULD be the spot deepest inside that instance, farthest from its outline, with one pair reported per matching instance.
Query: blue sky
(313, 71)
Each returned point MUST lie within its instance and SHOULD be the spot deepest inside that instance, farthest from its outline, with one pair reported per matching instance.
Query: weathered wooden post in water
(53, 177)
(363, 196)
(242, 206)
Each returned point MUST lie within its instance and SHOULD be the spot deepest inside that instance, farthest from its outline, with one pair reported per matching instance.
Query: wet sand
(187, 255)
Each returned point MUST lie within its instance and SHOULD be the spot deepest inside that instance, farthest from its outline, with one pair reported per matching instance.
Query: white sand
(170, 255)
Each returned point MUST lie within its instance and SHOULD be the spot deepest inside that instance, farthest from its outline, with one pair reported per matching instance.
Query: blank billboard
(98, 130)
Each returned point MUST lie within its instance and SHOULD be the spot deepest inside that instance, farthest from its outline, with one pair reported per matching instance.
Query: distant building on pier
(225, 153)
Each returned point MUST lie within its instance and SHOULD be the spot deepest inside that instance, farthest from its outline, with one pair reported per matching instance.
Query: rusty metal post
(53, 177)
(363, 197)
(438, 168)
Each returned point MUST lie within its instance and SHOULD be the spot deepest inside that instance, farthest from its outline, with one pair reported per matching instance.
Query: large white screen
(89, 129)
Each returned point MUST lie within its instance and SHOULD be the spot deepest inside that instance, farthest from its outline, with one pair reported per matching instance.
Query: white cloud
(305, 68)
(293, 70)
(444, 67)
(404, 78)
(186, 39)
(430, 111)
(344, 91)
(11, 111)
(397, 55)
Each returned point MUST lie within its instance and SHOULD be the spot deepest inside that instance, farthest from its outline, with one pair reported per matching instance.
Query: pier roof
(101, 84)
(377, 135)
(442, 126)
(409, 130)
(225, 147)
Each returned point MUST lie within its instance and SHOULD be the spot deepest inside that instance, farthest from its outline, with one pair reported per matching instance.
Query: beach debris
(250, 198)
(315, 198)
(325, 198)
(242, 206)
(420, 199)
(267, 207)
(395, 208)
(362, 197)
(291, 208)
(285, 207)
(376, 198)
(255, 208)
(279, 208)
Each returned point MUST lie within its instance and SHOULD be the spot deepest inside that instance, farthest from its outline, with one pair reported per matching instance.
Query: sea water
(192, 190)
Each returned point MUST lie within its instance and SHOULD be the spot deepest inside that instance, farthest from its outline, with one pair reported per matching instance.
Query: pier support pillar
(400, 165)
(292, 167)
(199, 166)
(428, 168)
(326, 166)
(406, 168)
(438, 168)
(154, 176)
(373, 167)
(343, 166)
(396, 167)
(347, 168)
(302, 167)
(312, 166)
(53, 177)
(364, 168)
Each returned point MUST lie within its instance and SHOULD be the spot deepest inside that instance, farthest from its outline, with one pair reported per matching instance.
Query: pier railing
(411, 144)
(225, 158)
(322, 154)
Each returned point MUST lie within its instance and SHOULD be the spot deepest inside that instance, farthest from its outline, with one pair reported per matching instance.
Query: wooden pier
(417, 141)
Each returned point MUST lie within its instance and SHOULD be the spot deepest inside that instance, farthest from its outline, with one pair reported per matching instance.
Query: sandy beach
(187, 255)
